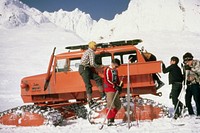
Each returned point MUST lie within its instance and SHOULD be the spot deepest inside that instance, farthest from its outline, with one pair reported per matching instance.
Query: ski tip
(100, 127)
(178, 124)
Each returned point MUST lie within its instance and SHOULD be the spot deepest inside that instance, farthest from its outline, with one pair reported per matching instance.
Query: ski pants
(116, 103)
(176, 89)
(193, 90)
(87, 74)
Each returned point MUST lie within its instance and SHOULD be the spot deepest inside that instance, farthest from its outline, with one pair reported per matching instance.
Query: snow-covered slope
(151, 15)
(140, 16)
(76, 21)
(14, 13)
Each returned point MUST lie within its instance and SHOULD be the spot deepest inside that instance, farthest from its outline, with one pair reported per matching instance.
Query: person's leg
(196, 96)
(110, 96)
(176, 89)
(85, 74)
(117, 102)
(113, 111)
(99, 83)
(156, 78)
(188, 99)
(180, 105)
(116, 107)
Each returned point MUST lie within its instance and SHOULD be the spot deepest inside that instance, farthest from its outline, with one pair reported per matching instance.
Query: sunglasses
(186, 60)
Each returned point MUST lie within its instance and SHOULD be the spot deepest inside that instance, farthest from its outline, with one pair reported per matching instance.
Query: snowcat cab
(61, 90)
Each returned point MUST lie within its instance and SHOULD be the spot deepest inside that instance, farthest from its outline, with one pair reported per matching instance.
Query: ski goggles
(187, 59)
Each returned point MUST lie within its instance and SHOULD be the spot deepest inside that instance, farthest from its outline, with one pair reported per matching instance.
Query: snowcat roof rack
(105, 45)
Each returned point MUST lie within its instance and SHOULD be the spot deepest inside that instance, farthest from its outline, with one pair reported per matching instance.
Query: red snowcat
(60, 93)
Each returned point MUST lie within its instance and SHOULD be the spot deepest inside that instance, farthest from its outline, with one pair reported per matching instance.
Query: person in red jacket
(111, 85)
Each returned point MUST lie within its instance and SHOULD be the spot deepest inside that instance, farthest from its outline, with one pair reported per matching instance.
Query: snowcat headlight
(23, 85)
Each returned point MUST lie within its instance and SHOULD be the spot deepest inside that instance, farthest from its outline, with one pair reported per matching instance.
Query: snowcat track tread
(95, 115)
(31, 115)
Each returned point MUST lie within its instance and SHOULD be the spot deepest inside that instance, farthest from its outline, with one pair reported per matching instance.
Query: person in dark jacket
(175, 79)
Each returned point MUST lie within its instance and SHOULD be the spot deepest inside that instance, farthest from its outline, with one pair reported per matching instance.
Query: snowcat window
(117, 57)
(103, 59)
(61, 65)
(106, 60)
(74, 64)
(124, 56)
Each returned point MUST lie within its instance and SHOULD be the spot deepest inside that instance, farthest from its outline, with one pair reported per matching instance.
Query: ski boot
(92, 104)
(111, 122)
(160, 84)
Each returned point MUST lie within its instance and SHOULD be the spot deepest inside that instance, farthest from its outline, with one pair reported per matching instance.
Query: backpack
(149, 56)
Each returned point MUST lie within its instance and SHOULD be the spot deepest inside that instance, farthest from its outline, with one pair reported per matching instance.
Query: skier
(175, 79)
(151, 57)
(111, 85)
(87, 72)
(193, 80)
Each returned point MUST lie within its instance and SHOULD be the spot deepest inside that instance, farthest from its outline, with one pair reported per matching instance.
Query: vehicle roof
(119, 46)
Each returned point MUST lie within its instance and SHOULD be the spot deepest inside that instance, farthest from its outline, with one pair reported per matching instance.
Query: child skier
(175, 79)
(111, 86)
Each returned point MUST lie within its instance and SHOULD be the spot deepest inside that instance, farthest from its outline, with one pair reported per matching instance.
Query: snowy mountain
(151, 15)
(14, 13)
(140, 16)
(76, 21)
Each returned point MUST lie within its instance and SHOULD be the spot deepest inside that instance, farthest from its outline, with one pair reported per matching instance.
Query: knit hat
(187, 56)
(92, 44)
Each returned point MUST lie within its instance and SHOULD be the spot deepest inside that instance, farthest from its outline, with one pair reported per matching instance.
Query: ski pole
(101, 127)
(128, 93)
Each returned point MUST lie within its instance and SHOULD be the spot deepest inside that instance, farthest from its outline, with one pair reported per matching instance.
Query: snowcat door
(141, 80)
(68, 82)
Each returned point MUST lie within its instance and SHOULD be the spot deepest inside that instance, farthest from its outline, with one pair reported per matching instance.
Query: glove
(187, 67)
(118, 88)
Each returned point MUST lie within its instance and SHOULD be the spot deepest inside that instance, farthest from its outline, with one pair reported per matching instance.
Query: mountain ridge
(140, 16)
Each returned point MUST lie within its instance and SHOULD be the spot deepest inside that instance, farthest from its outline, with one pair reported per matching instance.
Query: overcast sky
(96, 8)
